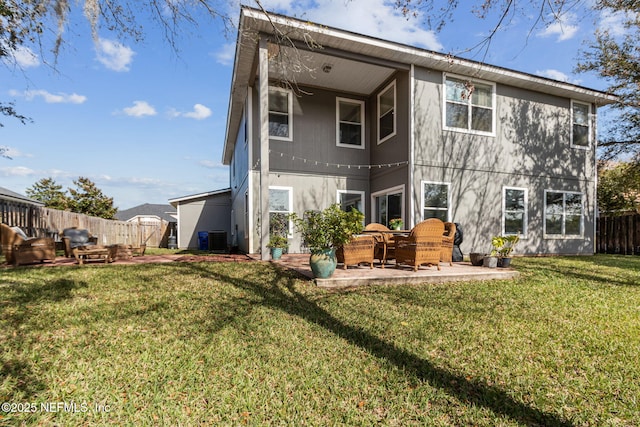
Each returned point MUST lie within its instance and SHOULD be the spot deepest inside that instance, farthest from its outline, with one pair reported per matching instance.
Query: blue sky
(147, 125)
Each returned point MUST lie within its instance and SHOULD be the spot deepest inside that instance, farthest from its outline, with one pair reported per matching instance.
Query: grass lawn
(249, 344)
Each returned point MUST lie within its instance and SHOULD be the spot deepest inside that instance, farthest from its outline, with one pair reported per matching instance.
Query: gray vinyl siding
(531, 149)
(205, 214)
(395, 149)
(312, 192)
(239, 179)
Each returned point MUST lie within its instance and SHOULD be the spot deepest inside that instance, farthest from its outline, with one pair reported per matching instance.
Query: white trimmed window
(387, 112)
(581, 125)
(350, 123)
(350, 200)
(435, 200)
(280, 114)
(563, 212)
(281, 202)
(469, 106)
(514, 211)
(388, 204)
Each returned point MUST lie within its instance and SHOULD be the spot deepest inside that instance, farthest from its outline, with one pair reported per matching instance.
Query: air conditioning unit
(218, 241)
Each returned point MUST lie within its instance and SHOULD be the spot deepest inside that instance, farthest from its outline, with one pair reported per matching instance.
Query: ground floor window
(435, 200)
(280, 203)
(350, 200)
(563, 213)
(388, 205)
(514, 211)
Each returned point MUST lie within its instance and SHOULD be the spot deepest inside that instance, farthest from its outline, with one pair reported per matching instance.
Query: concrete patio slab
(390, 275)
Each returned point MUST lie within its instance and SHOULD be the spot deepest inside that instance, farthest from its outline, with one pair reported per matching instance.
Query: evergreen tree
(48, 192)
(618, 187)
(615, 56)
(88, 199)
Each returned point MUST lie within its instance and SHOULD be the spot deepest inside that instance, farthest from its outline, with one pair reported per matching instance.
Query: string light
(339, 165)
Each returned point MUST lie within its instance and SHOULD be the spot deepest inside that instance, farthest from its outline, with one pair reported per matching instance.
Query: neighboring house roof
(369, 62)
(174, 202)
(161, 211)
(7, 194)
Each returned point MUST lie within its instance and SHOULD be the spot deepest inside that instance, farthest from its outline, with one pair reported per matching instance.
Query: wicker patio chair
(20, 249)
(422, 246)
(75, 238)
(446, 252)
(359, 249)
(385, 244)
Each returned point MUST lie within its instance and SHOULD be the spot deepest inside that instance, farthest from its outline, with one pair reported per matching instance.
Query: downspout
(263, 95)
(412, 133)
(595, 180)
(249, 196)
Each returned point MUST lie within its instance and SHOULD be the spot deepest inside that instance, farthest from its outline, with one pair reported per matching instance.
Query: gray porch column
(263, 95)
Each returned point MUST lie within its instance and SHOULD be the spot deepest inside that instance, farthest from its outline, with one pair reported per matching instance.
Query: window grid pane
(436, 201)
(563, 214)
(278, 200)
(467, 108)
(514, 211)
(457, 116)
(279, 114)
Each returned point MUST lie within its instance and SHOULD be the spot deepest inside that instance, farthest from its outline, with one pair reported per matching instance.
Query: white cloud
(13, 152)
(553, 74)
(614, 22)
(200, 112)
(378, 18)
(563, 27)
(210, 164)
(16, 171)
(51, 98)
(114, 55)
(226, 54)
(140, 109)
(25, 57)
(557, 75)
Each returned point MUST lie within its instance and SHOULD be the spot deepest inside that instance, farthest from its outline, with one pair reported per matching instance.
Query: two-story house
(319, 115)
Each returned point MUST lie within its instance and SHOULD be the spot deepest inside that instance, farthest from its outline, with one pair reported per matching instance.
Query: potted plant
(396, 224)
(503, 245)
(476, 258)
(278, 231)
(323, 232)
(490, 260)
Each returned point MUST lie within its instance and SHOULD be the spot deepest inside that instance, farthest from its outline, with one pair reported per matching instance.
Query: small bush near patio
(250, 344)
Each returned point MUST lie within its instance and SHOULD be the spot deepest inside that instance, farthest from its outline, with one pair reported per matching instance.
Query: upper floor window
(581, 129)
(514, 211)
(387, 112)
(469, 106)
(562, 214)
(280, 114)
(350, 126)
(435, 200)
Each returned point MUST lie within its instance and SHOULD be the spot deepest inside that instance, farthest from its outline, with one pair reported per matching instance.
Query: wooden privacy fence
(618, 234)
(38, 221)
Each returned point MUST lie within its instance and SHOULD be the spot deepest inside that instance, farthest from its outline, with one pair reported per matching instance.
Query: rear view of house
(328, 116)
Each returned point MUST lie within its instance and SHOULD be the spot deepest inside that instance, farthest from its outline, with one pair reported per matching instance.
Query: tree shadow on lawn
(280, 293)
(16, 308)
(613, 270)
